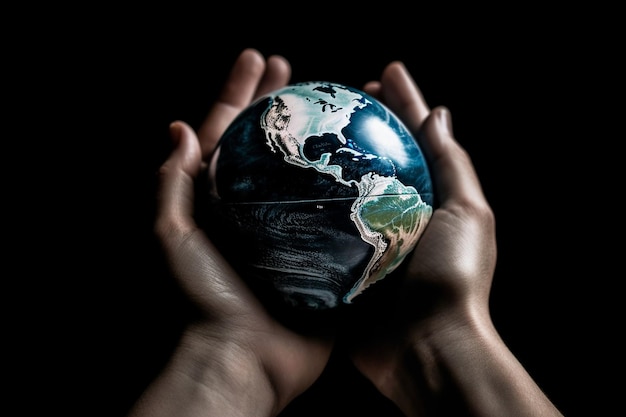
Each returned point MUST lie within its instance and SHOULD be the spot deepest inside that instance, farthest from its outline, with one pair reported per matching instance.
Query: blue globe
(317, 190)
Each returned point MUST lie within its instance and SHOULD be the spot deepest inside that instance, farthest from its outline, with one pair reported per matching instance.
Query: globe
(317, 191)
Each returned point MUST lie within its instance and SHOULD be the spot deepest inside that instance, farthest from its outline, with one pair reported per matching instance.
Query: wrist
(209, 375)
(458, 361)
(231, 371)
(427, 378)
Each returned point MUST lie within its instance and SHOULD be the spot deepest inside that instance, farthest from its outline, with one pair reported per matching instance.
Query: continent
(391, 217)
(322, 109)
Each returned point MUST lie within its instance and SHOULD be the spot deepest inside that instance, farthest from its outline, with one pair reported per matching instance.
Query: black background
(106, 92)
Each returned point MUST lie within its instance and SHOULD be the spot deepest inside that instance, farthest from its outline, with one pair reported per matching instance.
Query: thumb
(195, 262)
(175, 192)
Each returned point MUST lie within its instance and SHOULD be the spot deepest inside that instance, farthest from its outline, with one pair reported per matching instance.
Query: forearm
(464, 365)
(208, 379)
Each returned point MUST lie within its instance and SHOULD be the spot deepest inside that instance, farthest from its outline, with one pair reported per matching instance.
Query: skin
(435, 345)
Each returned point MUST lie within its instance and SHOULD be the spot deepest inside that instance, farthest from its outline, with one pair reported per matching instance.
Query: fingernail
(445, 121)
(175, 132)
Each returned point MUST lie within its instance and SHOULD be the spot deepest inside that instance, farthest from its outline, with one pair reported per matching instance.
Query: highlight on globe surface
(317, 190)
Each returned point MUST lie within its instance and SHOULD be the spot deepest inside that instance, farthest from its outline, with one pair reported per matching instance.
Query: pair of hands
(240, 358)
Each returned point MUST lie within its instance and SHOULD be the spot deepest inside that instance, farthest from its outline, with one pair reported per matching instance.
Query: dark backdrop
(515, 109)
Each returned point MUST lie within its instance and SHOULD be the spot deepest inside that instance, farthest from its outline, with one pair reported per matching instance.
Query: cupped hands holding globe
(425, 342)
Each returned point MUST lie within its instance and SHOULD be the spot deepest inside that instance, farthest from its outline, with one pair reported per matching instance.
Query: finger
(453, 171)
(400, 93)
(236, 94)
(175, 187)
(373, 88)
(277, 75)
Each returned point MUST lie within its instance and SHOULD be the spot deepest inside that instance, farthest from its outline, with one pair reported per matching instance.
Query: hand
(428, 342)
(236, 359)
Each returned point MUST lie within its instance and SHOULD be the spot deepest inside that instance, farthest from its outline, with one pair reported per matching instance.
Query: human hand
(426, 339)
(428, 342)
(236, 358)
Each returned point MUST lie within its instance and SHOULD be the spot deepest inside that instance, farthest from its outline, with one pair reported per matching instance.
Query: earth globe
(316, 191)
